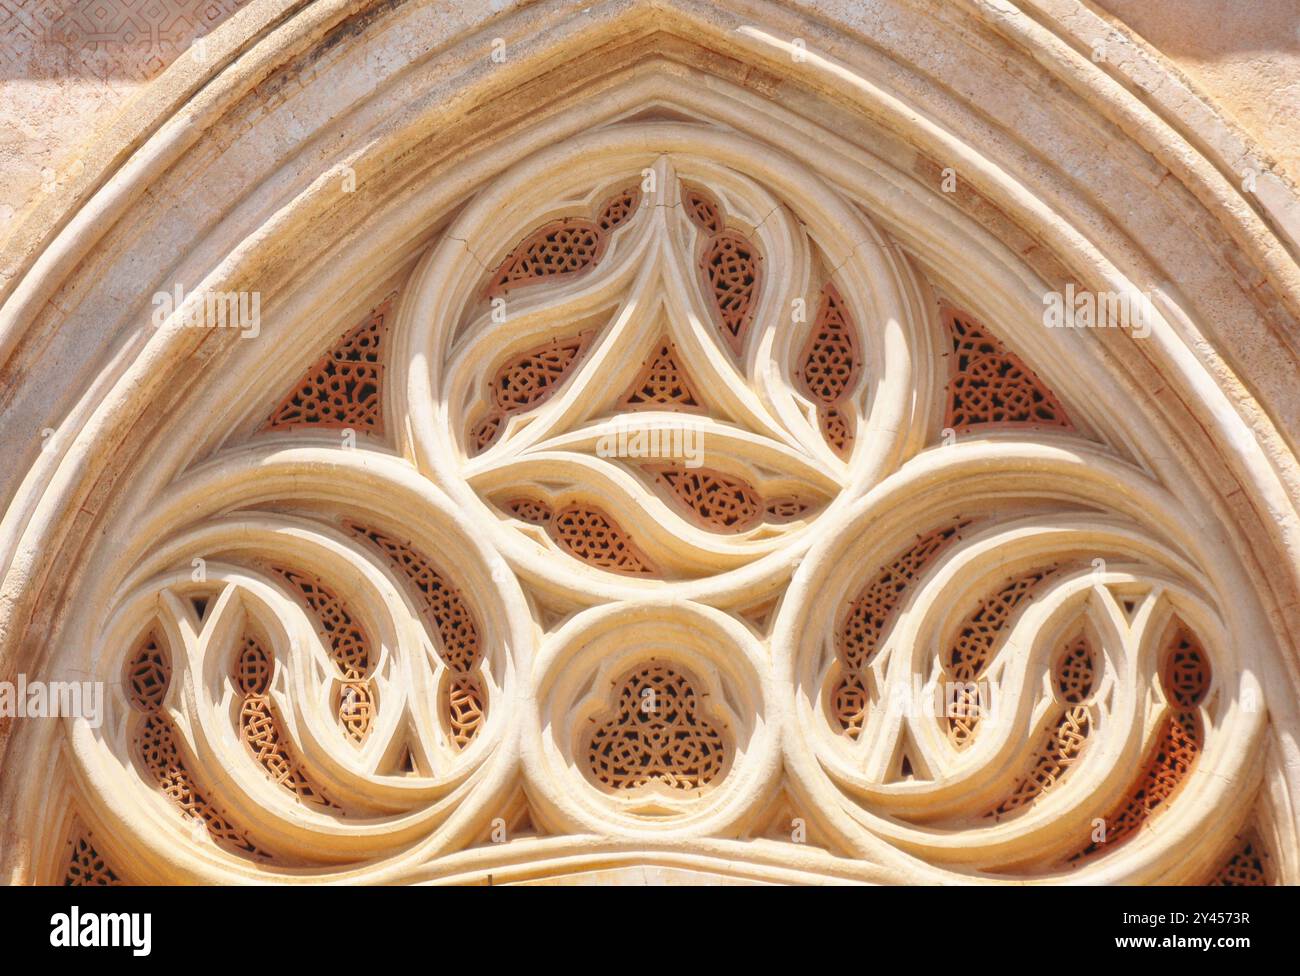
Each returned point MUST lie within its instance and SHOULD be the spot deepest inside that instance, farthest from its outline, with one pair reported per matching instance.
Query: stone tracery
(972, 652)
(662, 384)
(445, 609)
(991, 385)
(349, 648)
(564, 247)
(158, 750)
(1074, 677)
(830, 366)
(261, 728)
(795, 419)
(1179, 740)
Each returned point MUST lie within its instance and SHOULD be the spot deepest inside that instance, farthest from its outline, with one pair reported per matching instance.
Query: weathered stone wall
(67, 66)
(63, 75)
(1244, 57)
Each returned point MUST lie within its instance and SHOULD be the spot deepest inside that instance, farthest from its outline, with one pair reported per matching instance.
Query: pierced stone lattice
(619, 208)
(348, 644)
(349, 647)
(1186, 674)
(1064, 739)
(836, 429)
(850, 698)
(973, 650)
(147, 676)
(158, 748)
(260, 729)
(830, 366)
(721, 503)
(448, 615)
(989, 384)
(597, 539)
(563, 247)
(157, 745)
(527, 380)
(587, 533)
(531, 377)
(444, 607)
(253, 669)
(1245, 867)
(786, 508)
(1076, 672)
(466, 709)
(356, 707)
(657, 734)
(530, 510)
(867, 620)
(86, 867)
(730, 266)
(1185, 678)
(717, 501)
(702, 209)
(343, 388)
(662, 384)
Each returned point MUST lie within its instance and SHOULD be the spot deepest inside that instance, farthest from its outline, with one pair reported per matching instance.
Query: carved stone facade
(677, 473)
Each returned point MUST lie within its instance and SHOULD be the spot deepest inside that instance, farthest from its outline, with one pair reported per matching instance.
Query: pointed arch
(147, 425)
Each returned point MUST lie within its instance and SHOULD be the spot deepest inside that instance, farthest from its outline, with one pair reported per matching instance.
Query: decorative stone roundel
(652, 717)
(674, 498)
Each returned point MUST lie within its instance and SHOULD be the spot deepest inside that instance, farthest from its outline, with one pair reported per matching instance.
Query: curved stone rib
(1062, 743)
(463, 702)
(158, 750)
(349, 647)
(1185, 677)
(587, 533)
(972, 652)
(730, 268)
(867, 620)
(260, 728)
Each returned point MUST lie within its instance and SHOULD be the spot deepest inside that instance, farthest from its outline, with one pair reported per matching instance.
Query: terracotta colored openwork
(1179, 740)
(260, 728)
(990, 385)
(830, 367)
(445, 610)
(563, 247)
(159, 753)
(349, 648)
(343, 388)
(658, 735)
